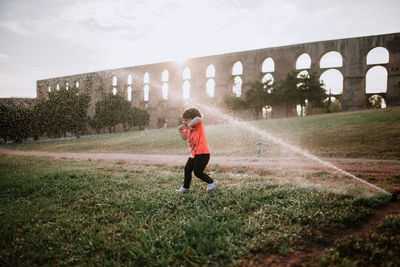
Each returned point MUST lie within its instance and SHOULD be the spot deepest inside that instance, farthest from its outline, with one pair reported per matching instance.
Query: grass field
(59, 212)
(363, 134)
(64, 212)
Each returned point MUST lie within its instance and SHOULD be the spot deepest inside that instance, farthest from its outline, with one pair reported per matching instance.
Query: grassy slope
(364, 134)
(59, 212)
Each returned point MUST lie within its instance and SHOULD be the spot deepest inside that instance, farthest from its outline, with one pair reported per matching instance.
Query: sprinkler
(259, 148)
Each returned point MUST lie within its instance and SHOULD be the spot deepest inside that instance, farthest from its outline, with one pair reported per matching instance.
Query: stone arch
(376, 80)
(268, 78)
(237, 68)
(186, 89)
(303, 62)
(210, 87)
(114, 84)
(378, 55)
(146, 90)
(376, 101)
(146, 78)
(268, 65)
(186, 74)
(165, 76)
(237, 86)
(333, 81)
(165, 91)
(129, 91)
(332, 59)
(210, 72)
(129, 79)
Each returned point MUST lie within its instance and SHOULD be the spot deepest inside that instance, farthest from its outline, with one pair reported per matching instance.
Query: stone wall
(354, 68)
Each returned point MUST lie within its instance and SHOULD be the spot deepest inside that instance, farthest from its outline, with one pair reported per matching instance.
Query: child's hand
(181, 127)
(191, 128)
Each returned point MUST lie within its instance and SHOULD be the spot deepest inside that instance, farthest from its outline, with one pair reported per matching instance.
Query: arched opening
(333, 81)
(57, 87)
(267, 112)
(376, 80)
(210, 87)
(186, 74)
(210, 73)
(303, 62)
(331, 59)
(165, 91)
(376, 101)
(268, 65)
(237, 68)
(146, 78)
(146, 93)
(114, 84)
(186, 89)
(301, 110)
(237, 86)
(129, 93)
(268, 80)
(77, 84)
(49, 89)
(333, 104)
(378, 55)
(129, 81)
(165, 76)
(302, 75)
(67, 85)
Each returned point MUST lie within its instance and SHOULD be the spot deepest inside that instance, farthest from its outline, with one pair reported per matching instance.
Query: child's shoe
(182, 190)
(212, 185)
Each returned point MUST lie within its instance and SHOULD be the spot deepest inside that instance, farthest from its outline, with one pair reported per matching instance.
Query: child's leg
(200, 163)
(188, 173)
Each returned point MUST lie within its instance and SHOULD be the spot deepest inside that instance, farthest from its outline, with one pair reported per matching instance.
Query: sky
(51, 38)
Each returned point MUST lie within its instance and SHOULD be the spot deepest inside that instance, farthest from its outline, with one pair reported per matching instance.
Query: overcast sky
(50, 38)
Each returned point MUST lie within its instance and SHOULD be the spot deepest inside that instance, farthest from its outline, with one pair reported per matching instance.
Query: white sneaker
(212, 185)
(182, 190)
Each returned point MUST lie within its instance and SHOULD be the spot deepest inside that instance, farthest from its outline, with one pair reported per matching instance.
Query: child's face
(186, 121)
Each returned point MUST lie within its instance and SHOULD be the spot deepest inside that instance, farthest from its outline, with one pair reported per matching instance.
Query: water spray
(266, 135)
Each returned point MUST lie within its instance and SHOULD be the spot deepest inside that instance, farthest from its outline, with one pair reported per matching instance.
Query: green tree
(15, 123)
(111, 111)
(299, 90)
(64, 111)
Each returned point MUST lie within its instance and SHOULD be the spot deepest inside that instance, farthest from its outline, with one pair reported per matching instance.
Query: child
(192, 130)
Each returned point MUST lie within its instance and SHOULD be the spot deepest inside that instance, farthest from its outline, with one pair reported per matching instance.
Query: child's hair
(191, 113)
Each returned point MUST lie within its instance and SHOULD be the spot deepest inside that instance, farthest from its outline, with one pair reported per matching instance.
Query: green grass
(381, 248)
(60, 212)
(362, 134)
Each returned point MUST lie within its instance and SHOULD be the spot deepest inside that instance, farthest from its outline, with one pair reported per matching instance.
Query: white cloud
(14, 26)
(4, 57)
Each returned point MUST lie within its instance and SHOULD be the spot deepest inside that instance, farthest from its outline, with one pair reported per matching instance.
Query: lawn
(64, 212)
(61, 212)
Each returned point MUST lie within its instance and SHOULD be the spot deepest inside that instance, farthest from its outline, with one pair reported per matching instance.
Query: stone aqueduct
(162, 88)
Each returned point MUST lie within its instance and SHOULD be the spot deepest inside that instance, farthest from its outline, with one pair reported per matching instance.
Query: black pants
(197, 164)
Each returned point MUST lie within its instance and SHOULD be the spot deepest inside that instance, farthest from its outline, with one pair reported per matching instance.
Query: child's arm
(180, 129)
(193, 123)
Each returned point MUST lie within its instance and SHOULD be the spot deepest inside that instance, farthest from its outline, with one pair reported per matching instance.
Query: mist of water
(267, 136)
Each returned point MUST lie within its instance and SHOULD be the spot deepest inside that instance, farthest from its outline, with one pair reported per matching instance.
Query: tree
(15, 123)
(64, 111)
(113, 110)
(299, 90)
